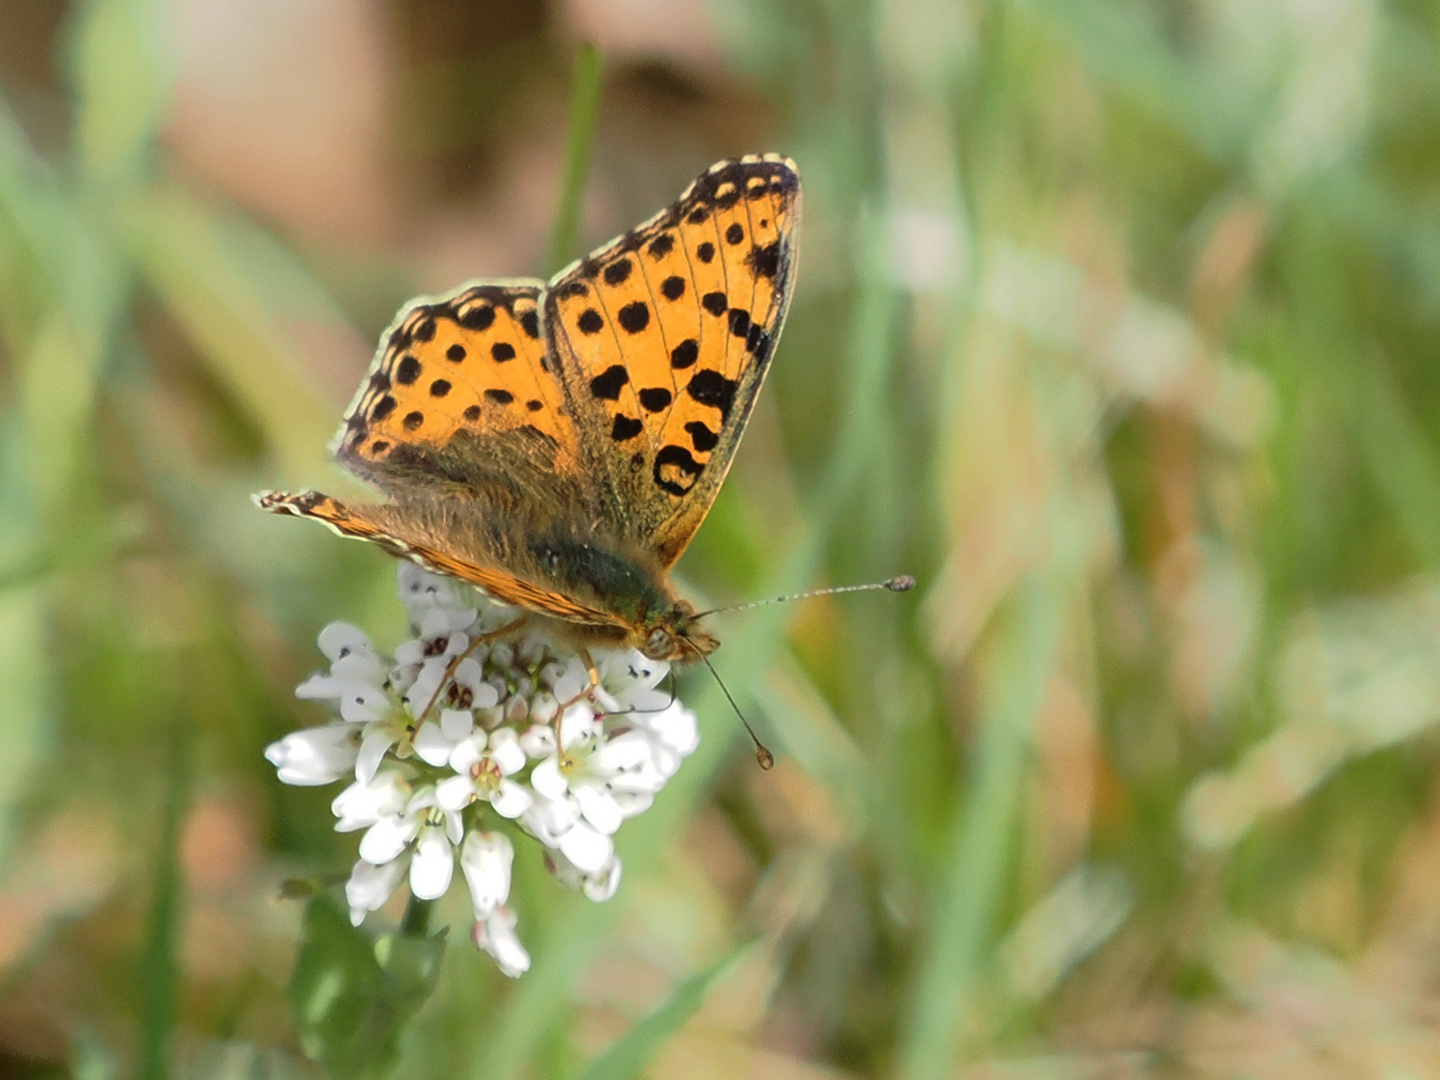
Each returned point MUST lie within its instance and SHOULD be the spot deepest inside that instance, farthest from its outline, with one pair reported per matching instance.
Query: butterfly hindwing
(662, 340)
(452, 374)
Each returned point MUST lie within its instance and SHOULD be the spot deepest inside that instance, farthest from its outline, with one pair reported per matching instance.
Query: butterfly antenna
(903, 583)
(763, 755)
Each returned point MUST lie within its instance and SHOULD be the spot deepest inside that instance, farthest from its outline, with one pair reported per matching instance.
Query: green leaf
(352, 993)
(628, 1056)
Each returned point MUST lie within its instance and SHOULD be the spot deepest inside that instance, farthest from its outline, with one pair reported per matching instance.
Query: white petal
(510, 800)
(485, 861)
(587, 848)
(432, 746)
(340, 639)
(549, 819)
(410, 652)
(320, 688)
(424, 687)
(676, 728)
(467, 752)
(372, 752)
(598, 807)
(363, 803)
(370, 886)
(434, 623)
(578, 724)
(386, 839)
(432, 865)
(502, 654)
(623, 752)
(496, 935)
(543, 708)
(538, 740)
(601, 885)
(632, 802)
(568, 682)
(456, 723)
(548, 780)
(361, 703)
(505, 751)
(361, 667)
(454, 826)
(455, 793)
(318, 755)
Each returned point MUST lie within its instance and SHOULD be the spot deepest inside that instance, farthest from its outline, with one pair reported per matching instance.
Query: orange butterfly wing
(663, 338)
(469, 365)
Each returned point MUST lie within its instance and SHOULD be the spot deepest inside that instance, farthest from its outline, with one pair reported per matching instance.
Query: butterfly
(557, 444)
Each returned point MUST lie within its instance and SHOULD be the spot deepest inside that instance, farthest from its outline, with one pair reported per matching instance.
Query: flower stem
(416, 920)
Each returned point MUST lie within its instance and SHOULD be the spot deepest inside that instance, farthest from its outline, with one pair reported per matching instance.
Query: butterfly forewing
(458, 372)
(663, 338)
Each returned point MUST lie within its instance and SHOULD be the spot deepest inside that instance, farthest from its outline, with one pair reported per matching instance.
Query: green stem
(159, 974)
(416, 920)
(584, 113)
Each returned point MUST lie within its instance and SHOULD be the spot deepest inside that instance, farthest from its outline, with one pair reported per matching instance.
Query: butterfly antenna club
(763, 756)
(903, 583)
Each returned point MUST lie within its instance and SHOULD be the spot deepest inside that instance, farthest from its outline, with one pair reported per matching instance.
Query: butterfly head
(674, 634)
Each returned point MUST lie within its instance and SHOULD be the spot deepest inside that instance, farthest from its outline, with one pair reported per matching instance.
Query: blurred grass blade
(85, 549)
(967, 898)
(241, 299)
(123, 71)
(579, 146)
(632, 1053)
(159, 973)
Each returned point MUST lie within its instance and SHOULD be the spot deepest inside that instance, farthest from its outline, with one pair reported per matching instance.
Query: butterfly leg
(456, 661)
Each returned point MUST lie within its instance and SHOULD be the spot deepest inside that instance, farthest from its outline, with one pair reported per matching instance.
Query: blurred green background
(1117, 325)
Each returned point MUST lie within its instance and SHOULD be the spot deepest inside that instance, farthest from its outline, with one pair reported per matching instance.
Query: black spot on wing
(425, 331)
(608, 384)
(711, 388)
(735, 233)
(472, 413)
(715, 303)
(739, 322)
(502, 351)
(655, 398)
(530, 323)
(676, 469)
(408, 370)
(590, 321)
(764, 261)
(625, 427)
(383, 408)
(634, 317)
(685, 354)
(477, 318)
(439, 388)
(705, 252)
(413, 420)
(617, 272)
(701, 437)
(661, 246)
(673, 287)
(500, 397)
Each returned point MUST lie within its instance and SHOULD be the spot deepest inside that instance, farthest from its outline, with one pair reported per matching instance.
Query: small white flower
(433, 863)
(628, 681)
(365, 802)
(370, 886)
(598, 886)
(496, 935)
(313, 756)
(485, 860)
(485, 764)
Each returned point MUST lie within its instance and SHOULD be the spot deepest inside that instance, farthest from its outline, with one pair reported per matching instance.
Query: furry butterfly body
(557, 444)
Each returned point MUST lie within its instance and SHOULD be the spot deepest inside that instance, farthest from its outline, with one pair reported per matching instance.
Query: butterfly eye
(659, 644)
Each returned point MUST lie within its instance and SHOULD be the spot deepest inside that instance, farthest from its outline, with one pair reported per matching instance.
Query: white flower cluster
(461, 731)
